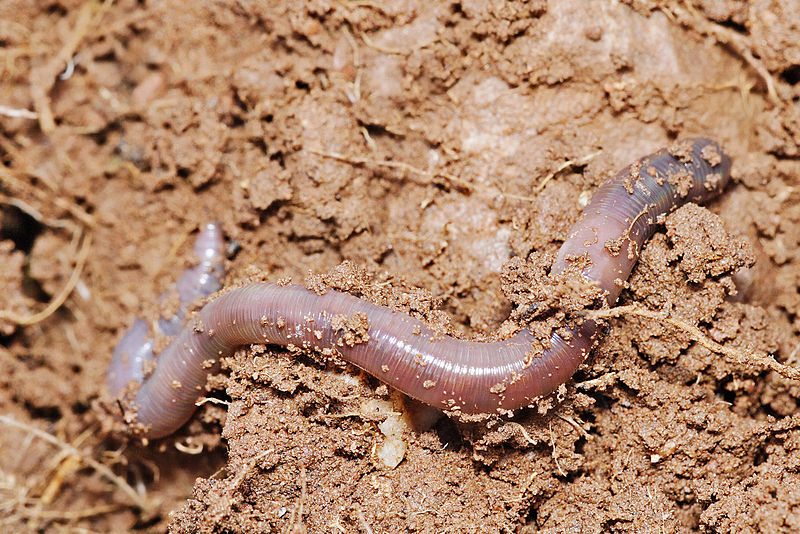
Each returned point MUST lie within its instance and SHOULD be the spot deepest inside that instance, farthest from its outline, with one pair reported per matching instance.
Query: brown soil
(425, 144)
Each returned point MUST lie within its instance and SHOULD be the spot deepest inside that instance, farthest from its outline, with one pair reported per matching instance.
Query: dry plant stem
(43, 78)
(574, 424)
(555, 451)
(38, 216)
(461, 184)
(71, 515)
(103, 470)
(59, 299)
(296, 519)
(18, 113)
(525, 435)
(68, 465)
(738, 356)
(65, 465)
(8, 178)
(352, 160)
(233, 496)
(395, 51)
(564, 166)
(738, 43)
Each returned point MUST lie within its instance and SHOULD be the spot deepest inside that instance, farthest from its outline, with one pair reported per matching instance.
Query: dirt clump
(430, 157)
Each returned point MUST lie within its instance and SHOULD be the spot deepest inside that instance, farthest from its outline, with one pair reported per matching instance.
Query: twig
(738, 356)
(600, 382)
(103, 470)
(59, 299)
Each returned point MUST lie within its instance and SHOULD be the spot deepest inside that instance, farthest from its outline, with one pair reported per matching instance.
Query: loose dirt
(426, 156)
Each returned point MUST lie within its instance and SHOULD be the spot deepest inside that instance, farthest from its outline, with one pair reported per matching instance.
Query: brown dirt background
(409, 139)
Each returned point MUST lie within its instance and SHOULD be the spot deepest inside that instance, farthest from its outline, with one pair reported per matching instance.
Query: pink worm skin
(472, 377)
(135, 350)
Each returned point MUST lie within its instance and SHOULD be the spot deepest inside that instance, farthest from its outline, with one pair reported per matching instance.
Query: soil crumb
(429, 157)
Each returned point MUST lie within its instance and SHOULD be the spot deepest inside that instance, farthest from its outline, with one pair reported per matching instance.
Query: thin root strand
(736, 355)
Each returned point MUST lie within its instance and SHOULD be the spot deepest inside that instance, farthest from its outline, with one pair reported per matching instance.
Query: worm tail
(134, 351)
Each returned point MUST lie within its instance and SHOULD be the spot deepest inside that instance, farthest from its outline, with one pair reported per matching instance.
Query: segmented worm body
(473, 377)
(134, 352)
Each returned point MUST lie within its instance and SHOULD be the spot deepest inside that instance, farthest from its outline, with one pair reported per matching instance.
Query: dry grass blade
(58, 300)
(136, 499)
(18, 185)
(71, 515)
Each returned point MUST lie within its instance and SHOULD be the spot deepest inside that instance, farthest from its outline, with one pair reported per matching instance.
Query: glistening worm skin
(442, 371)
(135, 350)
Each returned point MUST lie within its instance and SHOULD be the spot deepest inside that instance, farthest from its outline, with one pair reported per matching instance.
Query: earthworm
(134, 352)
(463, 376)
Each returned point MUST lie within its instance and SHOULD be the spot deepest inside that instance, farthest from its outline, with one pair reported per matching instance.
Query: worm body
(134, 351)
(473, 377)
